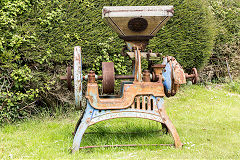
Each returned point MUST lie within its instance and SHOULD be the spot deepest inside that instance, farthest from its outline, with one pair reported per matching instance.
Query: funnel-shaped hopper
(136, 23)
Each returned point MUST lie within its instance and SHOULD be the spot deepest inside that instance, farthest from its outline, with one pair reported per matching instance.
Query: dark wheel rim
(108, 77)
(69, 78)
(195, 78)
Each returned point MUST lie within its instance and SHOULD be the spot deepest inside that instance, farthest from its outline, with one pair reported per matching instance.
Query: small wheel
(69, 77)
(195, 78)
(108, 77)
(78, 77)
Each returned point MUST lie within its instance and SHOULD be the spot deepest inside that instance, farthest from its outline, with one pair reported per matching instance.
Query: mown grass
(207, 120)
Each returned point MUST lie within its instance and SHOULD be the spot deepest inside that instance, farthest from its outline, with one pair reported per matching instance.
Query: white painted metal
(143, 54)
(77, 76)
(136, 11)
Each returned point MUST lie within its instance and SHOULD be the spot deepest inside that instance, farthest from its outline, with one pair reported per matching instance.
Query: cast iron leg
(82, 128)
(167, 122)
(171, 128)
(77, 125)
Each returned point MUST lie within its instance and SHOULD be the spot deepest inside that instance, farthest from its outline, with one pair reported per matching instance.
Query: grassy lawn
(207, 120)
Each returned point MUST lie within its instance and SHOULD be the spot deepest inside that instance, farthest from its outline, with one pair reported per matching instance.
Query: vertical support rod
(143, 103)
(89, 111)
(138, 69)
(138, 102)
(78, 77)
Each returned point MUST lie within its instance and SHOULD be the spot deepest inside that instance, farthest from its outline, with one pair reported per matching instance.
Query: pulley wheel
(195, 78)
(69, 77)
(108, 77)
(78, 77)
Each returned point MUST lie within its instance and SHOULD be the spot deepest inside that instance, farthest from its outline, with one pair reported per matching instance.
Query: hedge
(226, 45)
(38, 38)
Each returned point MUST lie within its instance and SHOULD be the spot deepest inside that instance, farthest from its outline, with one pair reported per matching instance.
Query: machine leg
(167, 123)
(82, 128)
(170, 128)
(77, 125)
(92, 116)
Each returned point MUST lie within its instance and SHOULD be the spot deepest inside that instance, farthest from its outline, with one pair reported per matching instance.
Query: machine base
(152, 111)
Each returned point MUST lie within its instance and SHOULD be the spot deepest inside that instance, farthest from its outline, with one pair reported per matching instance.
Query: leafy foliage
(234, 87)
(226, 45)
(189, 35)
(38, 38)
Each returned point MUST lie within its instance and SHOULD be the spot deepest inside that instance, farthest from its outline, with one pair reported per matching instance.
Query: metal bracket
(129, 92)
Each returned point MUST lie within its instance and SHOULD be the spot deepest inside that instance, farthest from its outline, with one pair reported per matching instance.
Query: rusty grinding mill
(142, 95)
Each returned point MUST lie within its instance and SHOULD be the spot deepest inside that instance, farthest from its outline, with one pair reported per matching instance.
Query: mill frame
(142, 96)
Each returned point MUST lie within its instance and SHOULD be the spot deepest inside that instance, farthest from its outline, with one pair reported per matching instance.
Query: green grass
(207, 120)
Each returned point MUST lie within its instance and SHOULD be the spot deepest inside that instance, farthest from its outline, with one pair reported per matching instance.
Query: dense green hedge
(38, 37)
(227, 42)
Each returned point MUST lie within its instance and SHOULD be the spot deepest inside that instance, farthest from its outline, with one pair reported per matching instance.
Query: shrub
(38, 38)
(233, 86)
(226, 45)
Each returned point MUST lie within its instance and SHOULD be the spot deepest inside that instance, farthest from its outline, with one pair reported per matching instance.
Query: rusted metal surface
(189, 75)
(118, 77)
(142, 97)
(170, 127)
(155, 111)
(194, 76)
(125, 145)
(174, 76)
(146, 76)
(100, 77)
(158, 68)
(136, 44)
(145, 55)
(178, 73)
(108, 77)
(138, 68)
(118, 17)
(78, 77)
(138, 102)
(124, 77)
(158, 71)
(91, 77)
(175, 89)
(129, 92)
(69, 78)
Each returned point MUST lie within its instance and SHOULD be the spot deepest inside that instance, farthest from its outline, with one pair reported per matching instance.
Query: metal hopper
(137, 23)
